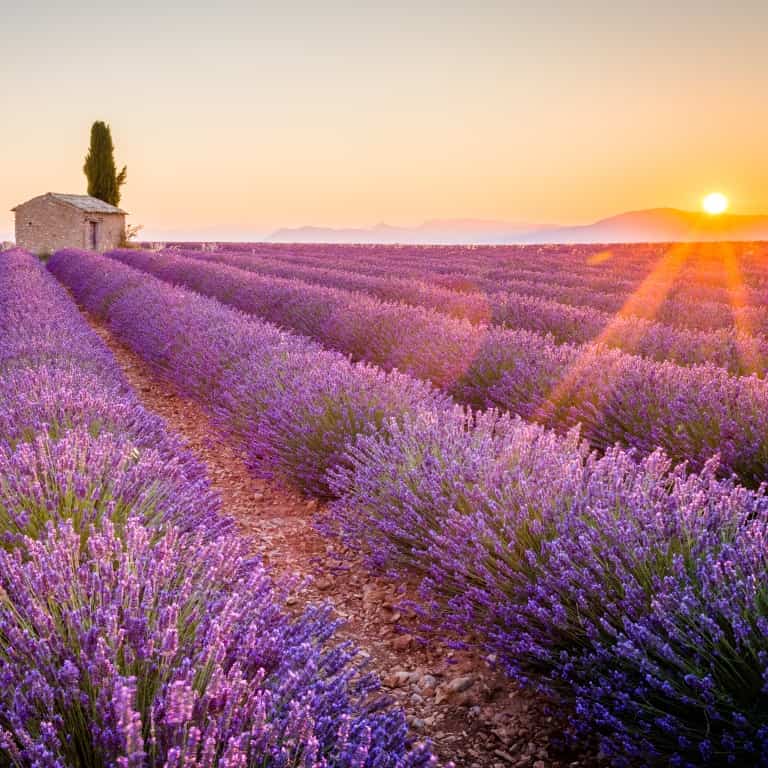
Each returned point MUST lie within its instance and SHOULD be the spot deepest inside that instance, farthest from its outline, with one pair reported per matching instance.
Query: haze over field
(240, 119)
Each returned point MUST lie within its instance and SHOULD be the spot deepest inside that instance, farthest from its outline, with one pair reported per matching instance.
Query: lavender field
(135, 627)
(562, 449)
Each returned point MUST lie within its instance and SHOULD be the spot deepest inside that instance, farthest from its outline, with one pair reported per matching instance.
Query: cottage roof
(84, 203)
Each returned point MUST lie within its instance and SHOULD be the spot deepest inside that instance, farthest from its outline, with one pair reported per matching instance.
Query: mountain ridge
(430, 231)
(645, 225)
(662, 225)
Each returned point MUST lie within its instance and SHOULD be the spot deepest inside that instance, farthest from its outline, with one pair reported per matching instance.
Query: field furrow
(467, 727)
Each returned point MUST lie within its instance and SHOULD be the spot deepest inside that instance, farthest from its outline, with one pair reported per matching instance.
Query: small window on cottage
(93, 234)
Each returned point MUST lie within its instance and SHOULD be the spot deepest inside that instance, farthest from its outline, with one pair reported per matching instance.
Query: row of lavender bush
(680, 302)
(692, 412)
(739, 353)
(708, 263)
(706, 272)
(135, 628)
(679, 287)
(631, 590)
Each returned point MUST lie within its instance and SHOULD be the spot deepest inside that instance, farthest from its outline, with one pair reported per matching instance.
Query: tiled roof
(87, 203)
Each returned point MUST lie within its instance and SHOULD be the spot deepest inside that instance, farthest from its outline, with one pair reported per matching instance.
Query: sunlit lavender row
(737, 351)
(700, 287)
(674, 280)
(692, 412)
(135, 627)
(630, 591)
(614, 263)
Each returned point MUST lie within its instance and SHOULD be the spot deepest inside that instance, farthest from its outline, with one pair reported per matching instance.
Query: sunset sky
(236, 118)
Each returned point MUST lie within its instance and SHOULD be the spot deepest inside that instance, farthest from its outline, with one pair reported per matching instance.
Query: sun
(715, 203)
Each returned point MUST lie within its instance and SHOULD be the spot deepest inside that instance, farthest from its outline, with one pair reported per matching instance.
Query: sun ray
(645, 302)
(738, 298)
(600, 257)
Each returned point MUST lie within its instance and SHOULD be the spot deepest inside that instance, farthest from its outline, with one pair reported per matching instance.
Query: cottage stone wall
(44, 224)
(111, 229)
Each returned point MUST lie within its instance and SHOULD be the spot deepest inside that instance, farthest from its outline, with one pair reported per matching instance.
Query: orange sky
(237, 119)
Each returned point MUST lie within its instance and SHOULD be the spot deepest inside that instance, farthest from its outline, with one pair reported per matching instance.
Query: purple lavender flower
(89, 676)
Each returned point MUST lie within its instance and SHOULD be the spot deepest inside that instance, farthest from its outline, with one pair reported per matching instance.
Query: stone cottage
(52, 221)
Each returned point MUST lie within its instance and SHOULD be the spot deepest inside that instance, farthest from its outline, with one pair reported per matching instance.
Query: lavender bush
(175, 652)
(632, 590)
(87, 479)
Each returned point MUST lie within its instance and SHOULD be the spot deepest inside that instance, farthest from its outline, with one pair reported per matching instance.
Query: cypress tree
(104, 181)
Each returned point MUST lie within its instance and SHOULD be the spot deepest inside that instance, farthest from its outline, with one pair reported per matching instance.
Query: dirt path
(472, 715)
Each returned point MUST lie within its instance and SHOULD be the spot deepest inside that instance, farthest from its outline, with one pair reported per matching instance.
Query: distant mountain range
(660, 225)
(444, 231)
(652, 225)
